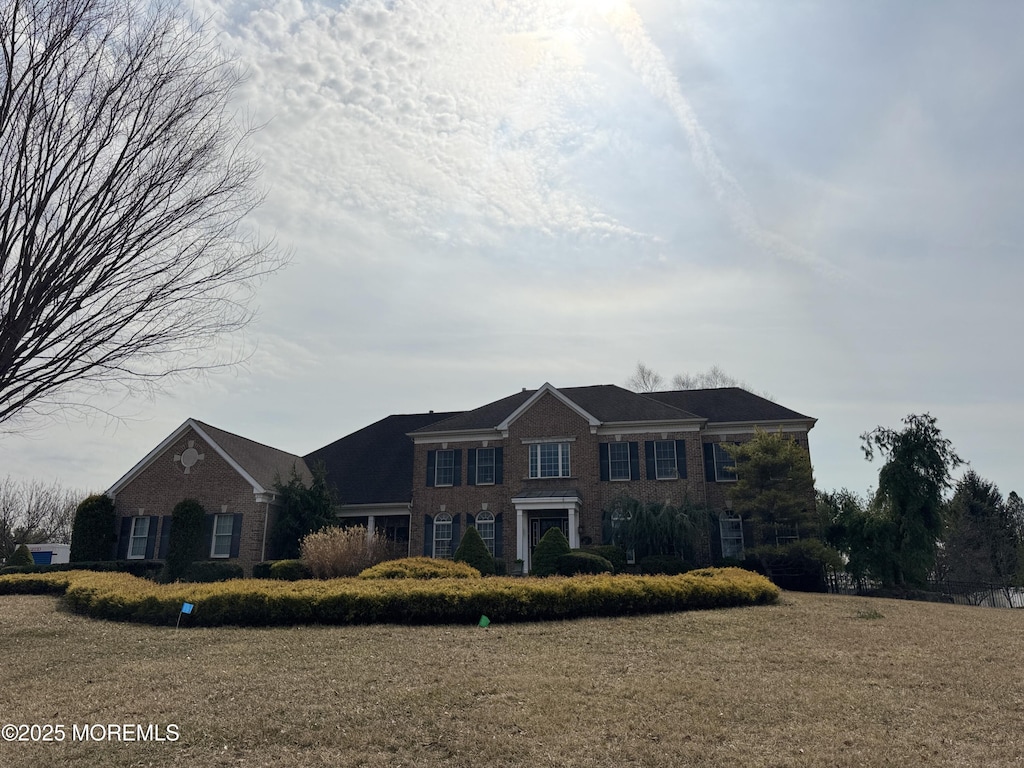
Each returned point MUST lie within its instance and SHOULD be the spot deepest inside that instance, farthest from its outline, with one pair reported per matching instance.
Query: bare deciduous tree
(124, 182)
(32, 512)
(644, 379)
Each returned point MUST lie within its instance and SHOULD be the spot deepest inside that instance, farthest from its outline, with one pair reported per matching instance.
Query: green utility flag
(484, 621)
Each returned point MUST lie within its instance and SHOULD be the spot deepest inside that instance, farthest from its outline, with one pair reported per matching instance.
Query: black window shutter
(634, 461)
(470, 521)
(236, 534)
(498, 538)
(165, 536)
(455, 533)
(124, 538)
(681, 458)
(431, 458)
(151, 537)
(428, 536)
(499, 466)
(457, 468)
(471, 466)
(603, 454)
(652, 469)
(207, 535)
(709, 462)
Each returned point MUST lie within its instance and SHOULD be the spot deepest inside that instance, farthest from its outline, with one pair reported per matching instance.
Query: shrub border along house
(122, 597)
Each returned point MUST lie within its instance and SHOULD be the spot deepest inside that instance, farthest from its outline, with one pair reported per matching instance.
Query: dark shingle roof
(374, 465)
(727, 404)
(485, 417)
(263, 463)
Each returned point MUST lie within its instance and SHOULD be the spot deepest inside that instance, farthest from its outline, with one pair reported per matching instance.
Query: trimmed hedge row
(421, 568)
(122, 597)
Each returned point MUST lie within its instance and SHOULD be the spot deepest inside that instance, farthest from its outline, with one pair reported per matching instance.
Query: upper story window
(665, 460)
(618, 461)
(725, 465)
(485, 466)
(549, 460)
(444, 468)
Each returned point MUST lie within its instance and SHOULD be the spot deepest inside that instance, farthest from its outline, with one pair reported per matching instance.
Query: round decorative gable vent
(189, 457)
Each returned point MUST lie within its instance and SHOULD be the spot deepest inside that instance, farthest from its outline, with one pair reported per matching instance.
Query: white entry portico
(543, 508)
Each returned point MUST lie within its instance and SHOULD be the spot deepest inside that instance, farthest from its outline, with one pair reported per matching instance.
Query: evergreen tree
(473, 551)
(92, 534)
(302, 510)
(551, 546)
(185, 543)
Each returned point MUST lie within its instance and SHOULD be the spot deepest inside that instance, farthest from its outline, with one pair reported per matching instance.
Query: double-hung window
(665, 466)
(223, 528)
(443, 535)
(485, 466)
(444, 468)
(139, 537)
(485, 527)
(618, 461)
(549, 460)
(725, 465)
(731, 528)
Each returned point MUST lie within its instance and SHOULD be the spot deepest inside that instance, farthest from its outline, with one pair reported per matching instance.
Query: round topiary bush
(583, 562)
(420, 568)
(22, 556)
(551, 546)
(473, 552)
(92, 533)
(289, 570)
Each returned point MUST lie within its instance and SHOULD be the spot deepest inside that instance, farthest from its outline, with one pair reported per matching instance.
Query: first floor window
(443, 535)
(139, 537)
(223, 527)
(665, 466)
(549, 460)
(725, 465)
(485, 527)
(731, 527)
(444, 468)
(618, 461)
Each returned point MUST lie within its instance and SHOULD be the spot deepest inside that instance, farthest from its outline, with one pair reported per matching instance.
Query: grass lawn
(815, 680)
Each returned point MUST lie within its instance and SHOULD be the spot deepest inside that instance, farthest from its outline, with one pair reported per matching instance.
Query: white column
(574, 528)
(522, 544)
(371, 526)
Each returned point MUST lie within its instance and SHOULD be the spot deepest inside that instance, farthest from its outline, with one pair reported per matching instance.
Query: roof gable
(258, 464)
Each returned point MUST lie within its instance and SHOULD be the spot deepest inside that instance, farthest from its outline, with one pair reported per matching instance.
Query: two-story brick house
(512, 468)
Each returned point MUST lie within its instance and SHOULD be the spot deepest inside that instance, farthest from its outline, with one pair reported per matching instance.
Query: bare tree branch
(124, 183)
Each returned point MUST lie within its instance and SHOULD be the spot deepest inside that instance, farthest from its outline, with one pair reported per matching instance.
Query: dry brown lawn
(814, 681)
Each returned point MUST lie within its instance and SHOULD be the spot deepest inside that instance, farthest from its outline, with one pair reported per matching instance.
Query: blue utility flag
(187, 607)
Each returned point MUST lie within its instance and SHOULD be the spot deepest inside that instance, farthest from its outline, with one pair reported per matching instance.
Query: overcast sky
(823, 198)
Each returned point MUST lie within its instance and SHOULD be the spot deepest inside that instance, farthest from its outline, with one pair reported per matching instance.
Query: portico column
(370, 527)
(574, 528)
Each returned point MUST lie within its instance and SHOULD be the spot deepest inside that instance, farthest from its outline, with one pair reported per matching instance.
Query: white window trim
(564, 460)
(611, 463)
(134, 535)
(675, 461)
(437, 468)
(445, 520)
(215, 535)
(494, 461)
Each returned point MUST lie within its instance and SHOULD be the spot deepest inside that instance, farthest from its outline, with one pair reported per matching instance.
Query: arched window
(443, 535)
(485, 527)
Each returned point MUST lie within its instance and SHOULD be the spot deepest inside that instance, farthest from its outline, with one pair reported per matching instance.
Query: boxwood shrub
(289, 570)
(122, 597)
(420, 568)
(582, 562)
(206, 572)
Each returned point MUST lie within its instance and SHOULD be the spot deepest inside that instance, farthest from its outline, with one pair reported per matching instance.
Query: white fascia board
(544, 502)
(463, 436)
(649, 427)
(146, 460)
(786, 425)
(385, 508)
(593, 421)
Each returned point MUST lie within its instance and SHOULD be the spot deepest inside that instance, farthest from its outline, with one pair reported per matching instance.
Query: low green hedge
(251, 602)
(146, 569)
(577, 562)
(420, 568)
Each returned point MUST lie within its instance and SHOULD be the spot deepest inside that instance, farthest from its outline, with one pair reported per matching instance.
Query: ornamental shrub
(92, 533)
(185, 543)
(473, 551)
(665, 564)
(206, 572)
(614, 554)
(420, 568)
(334, 552)
(800, 566)
(22, 557)
(262, 570)
(551, 546)
(289, 570)
(582, 562)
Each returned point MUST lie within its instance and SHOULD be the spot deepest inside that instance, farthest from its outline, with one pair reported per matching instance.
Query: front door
(541, 522)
